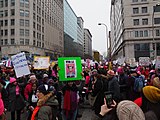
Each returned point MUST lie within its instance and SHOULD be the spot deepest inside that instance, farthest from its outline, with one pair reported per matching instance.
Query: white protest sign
(144, 61)
(41, 62)
(20, 64)
(157, 62)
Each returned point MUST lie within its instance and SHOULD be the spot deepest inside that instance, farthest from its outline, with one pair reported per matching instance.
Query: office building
(32, 26)
(135, 29)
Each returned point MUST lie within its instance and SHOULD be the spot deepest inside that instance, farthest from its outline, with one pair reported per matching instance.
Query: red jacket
(27, 90)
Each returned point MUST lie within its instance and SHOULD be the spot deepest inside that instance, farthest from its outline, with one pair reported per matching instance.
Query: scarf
(35, 113)
(67, 102)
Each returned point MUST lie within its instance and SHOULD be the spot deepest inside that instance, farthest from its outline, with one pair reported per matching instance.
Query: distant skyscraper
(32, 26)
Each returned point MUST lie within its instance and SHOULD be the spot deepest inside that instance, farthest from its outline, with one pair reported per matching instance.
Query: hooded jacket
(45, 108)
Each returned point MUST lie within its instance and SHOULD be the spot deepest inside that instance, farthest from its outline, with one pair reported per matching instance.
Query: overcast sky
(94, 12)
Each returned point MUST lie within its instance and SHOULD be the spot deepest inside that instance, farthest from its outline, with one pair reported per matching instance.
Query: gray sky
(94, 12)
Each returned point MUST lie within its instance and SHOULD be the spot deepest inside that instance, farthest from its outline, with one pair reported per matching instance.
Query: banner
(20, 64)
(70, 68)
(41, 62)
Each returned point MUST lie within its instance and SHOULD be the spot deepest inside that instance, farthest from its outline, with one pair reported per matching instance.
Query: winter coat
(16, 102)
(48, 105)
(27, 90)
(113, 86)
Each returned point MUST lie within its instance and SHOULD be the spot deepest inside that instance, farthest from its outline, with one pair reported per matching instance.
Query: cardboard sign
(70, 68)
(20, 64)
(144, 61)
(41, 62)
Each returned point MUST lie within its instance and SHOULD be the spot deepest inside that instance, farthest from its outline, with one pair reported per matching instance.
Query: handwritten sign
(20, 64)
(41, 62)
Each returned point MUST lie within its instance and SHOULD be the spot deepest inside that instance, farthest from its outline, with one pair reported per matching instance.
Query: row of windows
(23, 32)
(136, 10)
(24, 22)
(5, 32)
(38, 44)
(145, 21)
(24, 3)
(5, 22)
(4, 3)
(24, 13)
(141, 33)
(5, 13)
(38, 35)
(139, 0)
(6, 42)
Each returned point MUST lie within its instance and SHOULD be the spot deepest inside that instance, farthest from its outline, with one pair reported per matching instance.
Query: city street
(84, 109)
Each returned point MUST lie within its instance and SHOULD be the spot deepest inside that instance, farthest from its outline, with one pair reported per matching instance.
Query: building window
(135, 21)
(12, 12)
(156, 20)
(1, 33)
(12, 2)
(12, 41)
(5, 32)
(157, 32)
(145, 33)
(144, 10)
(34, 7)
(6, 3)
(6, 41)
(143, 0)
(136, 34)
(1, 22)
(1, 3)
(21, 32)
(21, 12)
(21, 22)
(134, 0)
(12, 31)
(26, 32)
(145, 21)
(12, 21)
(26, 41)
(34, 25)
(156, 8)
(34, 16)
(141, 34)
(26, 13)
(34, 43)
(21, 41)
(135, 10)
(6, 13)
(6, 22)
(27, 23)
(34, 34)
(2, 42)
(1, 13)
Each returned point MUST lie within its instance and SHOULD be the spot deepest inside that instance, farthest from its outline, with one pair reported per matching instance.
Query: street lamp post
(106, 34)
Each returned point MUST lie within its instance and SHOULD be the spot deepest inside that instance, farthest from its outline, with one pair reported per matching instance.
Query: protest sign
(144, 61)
(70, 68)
(41, 62)
(20, 64)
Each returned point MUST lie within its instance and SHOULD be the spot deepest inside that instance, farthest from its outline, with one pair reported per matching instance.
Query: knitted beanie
(152, 93)
(45, 89)
(128, 110)
(156, 82)
(12, 80)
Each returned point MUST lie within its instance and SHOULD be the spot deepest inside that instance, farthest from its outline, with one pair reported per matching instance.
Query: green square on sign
(70, 68)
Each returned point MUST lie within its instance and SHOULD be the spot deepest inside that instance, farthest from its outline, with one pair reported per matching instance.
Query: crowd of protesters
(135, 93)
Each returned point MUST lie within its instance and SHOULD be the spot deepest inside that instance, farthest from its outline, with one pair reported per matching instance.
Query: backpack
(138, 84)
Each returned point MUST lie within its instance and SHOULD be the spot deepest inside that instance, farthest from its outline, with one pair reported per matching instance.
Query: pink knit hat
(12, 80)
(1, 105)
(128, 110)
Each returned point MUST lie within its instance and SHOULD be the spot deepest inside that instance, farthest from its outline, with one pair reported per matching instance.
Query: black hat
(45, 89)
